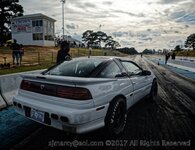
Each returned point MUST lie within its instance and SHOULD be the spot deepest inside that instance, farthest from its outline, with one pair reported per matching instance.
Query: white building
(35, 29)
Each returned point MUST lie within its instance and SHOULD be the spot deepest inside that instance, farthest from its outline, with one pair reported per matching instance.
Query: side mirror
(123, 74)
(146, 73)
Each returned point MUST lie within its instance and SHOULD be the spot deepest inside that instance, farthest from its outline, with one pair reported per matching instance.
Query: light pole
(63, 2)
(100, 26)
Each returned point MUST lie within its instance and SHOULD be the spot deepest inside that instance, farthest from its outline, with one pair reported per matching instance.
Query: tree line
(96, 39)
(189, 43)
(8, 10)
(127, 50)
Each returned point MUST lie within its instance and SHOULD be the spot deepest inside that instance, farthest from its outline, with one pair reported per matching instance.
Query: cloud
(77, 36)
(129, 13)
(170, 1)
(187, 26)
(107, 3)
(171, 31)
(83, 5)
(178, 14)
(137, 23)
(187, 18)
(150, 33)
(142, 34)
(176, 31)
(125, 42)
(72, 26)
(145, 36)
(173, 43)
(183, 17)
(183, 12)
(90, 5)
(119, 34)
(140, 42)
(131, 34)
(146, 39)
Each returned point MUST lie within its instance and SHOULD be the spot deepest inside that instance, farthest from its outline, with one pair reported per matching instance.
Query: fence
(45, 57)
(30, 58)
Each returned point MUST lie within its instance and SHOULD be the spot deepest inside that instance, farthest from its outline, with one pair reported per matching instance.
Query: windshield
(76, 68)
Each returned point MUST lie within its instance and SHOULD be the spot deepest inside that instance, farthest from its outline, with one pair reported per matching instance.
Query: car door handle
(134, 83)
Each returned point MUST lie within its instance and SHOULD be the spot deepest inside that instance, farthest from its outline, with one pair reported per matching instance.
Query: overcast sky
(153, 24)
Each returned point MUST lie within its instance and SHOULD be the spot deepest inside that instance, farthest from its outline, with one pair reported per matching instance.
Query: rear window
(76, 68)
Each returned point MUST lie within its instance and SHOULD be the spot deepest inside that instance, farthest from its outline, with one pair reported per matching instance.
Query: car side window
(131, 68)
(110, 71)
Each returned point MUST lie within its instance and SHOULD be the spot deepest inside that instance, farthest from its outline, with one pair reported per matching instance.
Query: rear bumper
(63, 118)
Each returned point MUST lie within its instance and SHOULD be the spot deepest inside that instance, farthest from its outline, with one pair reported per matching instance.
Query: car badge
(42, 86)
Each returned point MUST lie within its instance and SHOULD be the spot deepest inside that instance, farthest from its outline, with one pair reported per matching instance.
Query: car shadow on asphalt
(137, 127)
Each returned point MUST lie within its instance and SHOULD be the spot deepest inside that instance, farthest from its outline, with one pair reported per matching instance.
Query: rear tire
(116, 117)
(154, 91)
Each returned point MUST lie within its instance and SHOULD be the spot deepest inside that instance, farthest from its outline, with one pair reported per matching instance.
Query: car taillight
(55, 90)
(25, 85)
(73, 93)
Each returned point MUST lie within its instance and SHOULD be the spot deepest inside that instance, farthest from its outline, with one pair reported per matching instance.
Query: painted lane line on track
(182, 67)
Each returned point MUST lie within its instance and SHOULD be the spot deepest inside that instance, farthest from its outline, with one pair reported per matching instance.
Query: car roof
(104, 57)
(94, 57)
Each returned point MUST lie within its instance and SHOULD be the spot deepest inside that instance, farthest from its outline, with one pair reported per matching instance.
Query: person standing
(63, 53)
(173, 55)
(21, 53)
(90, 51)
(15, 51)
(167, 55)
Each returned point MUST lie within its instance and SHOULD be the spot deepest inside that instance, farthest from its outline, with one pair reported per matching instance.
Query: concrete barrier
(9, 85)
(2, 102)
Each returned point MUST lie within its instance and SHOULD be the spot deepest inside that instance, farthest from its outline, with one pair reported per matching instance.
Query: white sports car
(85, 94)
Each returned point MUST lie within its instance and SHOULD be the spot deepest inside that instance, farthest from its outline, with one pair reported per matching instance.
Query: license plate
(37, 115)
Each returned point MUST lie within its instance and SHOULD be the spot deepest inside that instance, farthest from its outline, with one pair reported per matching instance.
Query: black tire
(116, 117)
(154, 91)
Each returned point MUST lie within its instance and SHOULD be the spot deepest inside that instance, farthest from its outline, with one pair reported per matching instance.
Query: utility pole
(100, 27)
(63, 2)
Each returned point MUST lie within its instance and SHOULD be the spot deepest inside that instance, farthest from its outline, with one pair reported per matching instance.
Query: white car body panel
(83, 115)
(142, 86)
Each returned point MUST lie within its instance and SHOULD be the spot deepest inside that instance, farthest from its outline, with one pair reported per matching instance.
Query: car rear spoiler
(65, 80)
